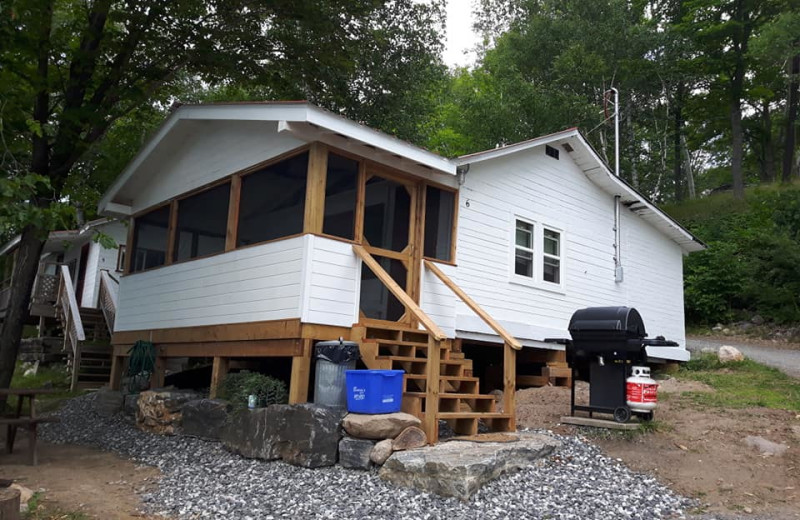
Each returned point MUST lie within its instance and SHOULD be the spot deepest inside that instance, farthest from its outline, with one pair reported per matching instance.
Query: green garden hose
(141, 363)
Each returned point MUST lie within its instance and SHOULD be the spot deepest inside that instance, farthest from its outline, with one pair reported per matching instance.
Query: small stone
(726, 331)
(748, 510)
(718, 327)
(727, 354)
(409, 439)
(379, 426)
(765, 446)
(381, 451)
(355, 453)
(757, 320)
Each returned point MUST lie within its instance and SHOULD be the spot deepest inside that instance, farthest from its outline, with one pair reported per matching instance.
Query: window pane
(273, 201)
(524, 234)
(202, 223)
(150, 237)
(387, 215)
(523, 263)
(439, 213)
(552, 270)
(341, 188)
(551, 242)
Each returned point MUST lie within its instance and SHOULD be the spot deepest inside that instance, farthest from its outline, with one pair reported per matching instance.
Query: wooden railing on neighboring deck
(108, 297)
(435, 338)
(510, 343)
(70, 315)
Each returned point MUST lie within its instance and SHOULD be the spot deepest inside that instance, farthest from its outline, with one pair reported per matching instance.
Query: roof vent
(552, 152)
(568, 148)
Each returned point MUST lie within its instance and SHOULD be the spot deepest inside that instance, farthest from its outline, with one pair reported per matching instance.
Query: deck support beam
(431, 424)
(301, 372)
(117, 366)
(218, 372)
(510, 384)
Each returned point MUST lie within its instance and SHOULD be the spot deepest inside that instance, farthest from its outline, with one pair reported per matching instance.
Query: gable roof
(599, 173)
(56, 239)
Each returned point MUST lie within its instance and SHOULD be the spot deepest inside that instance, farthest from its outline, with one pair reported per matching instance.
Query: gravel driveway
(203, 480)
(785, 360)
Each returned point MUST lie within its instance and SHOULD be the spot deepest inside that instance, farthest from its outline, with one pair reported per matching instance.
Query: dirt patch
(698, 451)
(77, 479)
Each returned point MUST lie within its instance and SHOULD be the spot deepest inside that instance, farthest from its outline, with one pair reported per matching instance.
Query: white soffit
(597, 171)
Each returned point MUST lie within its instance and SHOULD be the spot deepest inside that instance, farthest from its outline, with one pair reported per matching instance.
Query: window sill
(543, 286)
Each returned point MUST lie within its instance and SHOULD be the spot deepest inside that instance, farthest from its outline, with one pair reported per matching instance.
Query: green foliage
(237, 386)
(741, 384)
(38, 510)
(752, 264)
(52, 376)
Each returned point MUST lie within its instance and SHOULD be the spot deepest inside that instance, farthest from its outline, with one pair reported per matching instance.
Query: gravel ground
(785, 360)
(202, 480)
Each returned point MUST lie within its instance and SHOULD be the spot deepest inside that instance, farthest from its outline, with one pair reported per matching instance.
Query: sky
(460, 35)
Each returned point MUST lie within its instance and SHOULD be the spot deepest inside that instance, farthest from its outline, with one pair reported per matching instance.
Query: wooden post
(301, 372)
(218, 373)
(315, 188)
(117, 364)
(233, 213)
(510, 384)
(172, 232)
(431, 424)
(76, 367)
(9, 503)
(157, 378)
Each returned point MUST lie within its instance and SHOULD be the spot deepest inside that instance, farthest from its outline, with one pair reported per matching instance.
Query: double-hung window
(551, 256)
(523, 250)
(538, 254)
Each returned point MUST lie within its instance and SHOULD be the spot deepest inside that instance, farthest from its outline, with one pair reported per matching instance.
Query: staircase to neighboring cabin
(94, 361)
(459, 401)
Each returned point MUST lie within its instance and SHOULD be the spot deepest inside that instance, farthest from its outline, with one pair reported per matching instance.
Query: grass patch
(741, 384)
(39, 511)
(54, 376)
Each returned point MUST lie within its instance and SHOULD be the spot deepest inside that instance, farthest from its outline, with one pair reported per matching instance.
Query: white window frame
(531, 250)
(537, 281)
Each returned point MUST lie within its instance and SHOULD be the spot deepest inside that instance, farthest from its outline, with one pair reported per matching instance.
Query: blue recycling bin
(374, 391)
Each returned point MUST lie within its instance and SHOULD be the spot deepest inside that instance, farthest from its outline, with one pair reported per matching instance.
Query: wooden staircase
(94, 360)
(456, 396)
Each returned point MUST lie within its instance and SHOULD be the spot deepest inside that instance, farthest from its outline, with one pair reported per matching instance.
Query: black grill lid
(604, 323)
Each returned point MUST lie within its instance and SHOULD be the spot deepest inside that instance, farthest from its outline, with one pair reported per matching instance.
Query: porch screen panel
(272, 202)
(202, 223)
(341, 189)
(150, 236)
(439, 214)
(387, 214)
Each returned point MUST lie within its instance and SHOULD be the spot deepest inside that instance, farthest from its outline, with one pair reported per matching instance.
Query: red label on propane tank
(650, 393)
(635, 392)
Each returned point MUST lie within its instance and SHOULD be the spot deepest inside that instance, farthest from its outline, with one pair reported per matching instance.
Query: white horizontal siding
(556, 192)
(200, 152)
(257, 283)
(100, 259)
(438, 301)
(332, 278)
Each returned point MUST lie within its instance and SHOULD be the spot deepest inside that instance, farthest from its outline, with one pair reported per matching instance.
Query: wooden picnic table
(29, 421)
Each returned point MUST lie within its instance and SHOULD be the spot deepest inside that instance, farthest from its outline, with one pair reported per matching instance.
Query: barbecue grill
(606, 342)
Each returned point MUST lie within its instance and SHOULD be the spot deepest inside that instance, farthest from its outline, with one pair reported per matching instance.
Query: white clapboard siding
(556, 192)
(257, 283)
(437, 300)
(91, 278)
(331, 283)
(100, 259)
(201, 152)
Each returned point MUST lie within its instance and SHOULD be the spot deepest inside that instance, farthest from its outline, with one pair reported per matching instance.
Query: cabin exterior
(259, 229)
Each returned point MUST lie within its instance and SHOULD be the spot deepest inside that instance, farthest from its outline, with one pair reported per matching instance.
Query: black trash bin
(333, 358)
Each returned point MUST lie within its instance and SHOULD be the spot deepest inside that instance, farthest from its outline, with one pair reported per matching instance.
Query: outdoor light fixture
(461, 173)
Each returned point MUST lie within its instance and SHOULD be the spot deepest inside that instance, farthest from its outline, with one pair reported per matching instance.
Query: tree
(72, 71)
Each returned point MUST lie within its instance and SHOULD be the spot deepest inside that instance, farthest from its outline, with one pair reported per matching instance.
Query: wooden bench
(30, 422)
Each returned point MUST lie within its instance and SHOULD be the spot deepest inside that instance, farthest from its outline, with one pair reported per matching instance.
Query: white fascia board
(515, 148)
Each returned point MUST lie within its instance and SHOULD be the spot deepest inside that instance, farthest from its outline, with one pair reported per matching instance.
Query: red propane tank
(642, 391)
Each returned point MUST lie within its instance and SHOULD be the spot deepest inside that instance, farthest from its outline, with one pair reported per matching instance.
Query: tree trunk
(791, 119)
(676, 157)
(738, 148)
(768, 164)
(27, 263)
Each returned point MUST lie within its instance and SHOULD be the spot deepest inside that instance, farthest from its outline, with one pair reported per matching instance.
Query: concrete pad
(599, 423)
(459, 469)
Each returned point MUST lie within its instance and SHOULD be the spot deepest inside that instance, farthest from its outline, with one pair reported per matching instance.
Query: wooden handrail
(108, 298)
(69, 305)
(399, 293)
(472, 304)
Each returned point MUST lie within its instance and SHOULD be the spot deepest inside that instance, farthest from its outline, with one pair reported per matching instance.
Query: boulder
(381, 451)
(354, 453)
(108, 402)
(159, 411)
(727, 354)
(757, 320)
(205, 418)
(718, 327)
(460, 468)
(130, 404)
(765, 446)
(302, 434)
(410, 438)
(379, 426)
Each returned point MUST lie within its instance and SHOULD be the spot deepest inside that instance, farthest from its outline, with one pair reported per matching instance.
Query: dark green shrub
(236, 387)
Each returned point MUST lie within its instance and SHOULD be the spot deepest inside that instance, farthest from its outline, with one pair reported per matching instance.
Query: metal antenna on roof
(618, 272)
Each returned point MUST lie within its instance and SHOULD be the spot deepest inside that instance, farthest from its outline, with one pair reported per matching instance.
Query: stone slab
(598, 423)
(459, 469)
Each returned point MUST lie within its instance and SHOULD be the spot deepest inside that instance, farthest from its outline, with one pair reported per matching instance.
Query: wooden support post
(218, 373)
(117, 365)
(233, 213)
(431, 424)
(76, 367)
(301, 372)
(157, 378)
(510, 384)
(315, 190)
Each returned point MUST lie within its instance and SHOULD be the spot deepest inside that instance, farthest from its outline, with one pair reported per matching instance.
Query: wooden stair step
(422, 360)
(398, 343)
(486, 397)
(472, 415)
(443, 377)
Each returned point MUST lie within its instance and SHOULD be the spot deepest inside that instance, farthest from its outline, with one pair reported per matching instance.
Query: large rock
(459, 468)
(381, 451)
(130, 404)
(302, 434)
(409, 439)
(354, 453)
(727, 354)
(205, 418)
(108, 402)
(380, 426)
(766, 447)
(159, 411)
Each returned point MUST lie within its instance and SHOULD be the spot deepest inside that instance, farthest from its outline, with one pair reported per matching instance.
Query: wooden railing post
(510, 384)
(431, 425)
